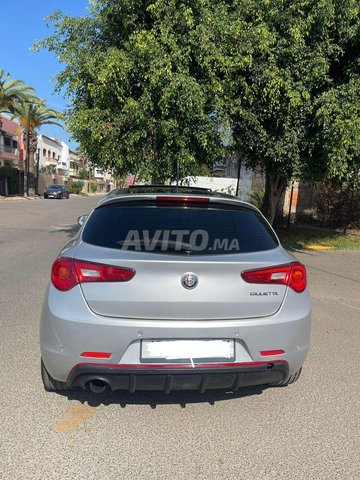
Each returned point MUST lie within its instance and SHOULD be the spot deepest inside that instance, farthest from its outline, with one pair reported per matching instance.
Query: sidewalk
(16, 198)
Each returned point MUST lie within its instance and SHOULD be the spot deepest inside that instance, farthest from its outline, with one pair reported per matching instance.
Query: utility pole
(37, 171)
(27, 158)
(238, 178)
(177, 174)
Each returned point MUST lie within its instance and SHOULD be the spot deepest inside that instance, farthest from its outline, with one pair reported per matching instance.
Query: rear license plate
(183, 351)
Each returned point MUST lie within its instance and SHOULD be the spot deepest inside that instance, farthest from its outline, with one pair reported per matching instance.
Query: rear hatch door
(161, 287)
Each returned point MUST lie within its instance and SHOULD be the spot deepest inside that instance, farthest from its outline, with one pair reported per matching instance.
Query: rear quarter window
(191, 231)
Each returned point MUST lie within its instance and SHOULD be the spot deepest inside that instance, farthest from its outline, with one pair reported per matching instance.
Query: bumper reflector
(96, 354)
(267, 353)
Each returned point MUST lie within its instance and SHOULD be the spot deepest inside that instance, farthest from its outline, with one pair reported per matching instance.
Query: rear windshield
(188, 231)
(55, 187)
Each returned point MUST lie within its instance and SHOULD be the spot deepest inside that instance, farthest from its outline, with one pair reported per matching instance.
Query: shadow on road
(69, 230)
(153, 399)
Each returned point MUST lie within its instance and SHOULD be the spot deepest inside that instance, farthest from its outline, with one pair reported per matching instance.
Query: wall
(46, 180)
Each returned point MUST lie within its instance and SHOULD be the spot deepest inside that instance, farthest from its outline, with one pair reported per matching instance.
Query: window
(7, 141)
(226, 230)
(49, 154)
(44, 152)
(54, 155)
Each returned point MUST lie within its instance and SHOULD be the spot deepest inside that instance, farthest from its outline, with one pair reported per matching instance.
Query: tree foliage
(141, 99)
(12, 93)
(32, 115)
(152, 82)
(294, 96)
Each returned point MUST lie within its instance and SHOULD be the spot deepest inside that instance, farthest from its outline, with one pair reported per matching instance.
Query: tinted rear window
(191, 231)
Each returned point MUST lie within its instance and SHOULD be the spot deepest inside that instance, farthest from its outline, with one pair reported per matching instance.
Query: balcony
(11, 150)
(50, 160)
(73, 172)
(9, 153)
(99, 174)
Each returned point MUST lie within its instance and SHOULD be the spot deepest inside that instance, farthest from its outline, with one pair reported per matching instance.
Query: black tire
(50, 384)
(292, 379)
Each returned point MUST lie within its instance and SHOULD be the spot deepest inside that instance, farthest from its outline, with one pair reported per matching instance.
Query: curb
(318, 247)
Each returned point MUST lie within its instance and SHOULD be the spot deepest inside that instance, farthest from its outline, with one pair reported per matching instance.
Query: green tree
(140, 102)
(84, 173)
(33, 115)
(12, 93)
(155, 82)
(300, 51)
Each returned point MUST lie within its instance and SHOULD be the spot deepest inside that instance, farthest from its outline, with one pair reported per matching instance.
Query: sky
(23, 23)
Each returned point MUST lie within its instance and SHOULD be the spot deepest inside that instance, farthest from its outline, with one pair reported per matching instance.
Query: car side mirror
(82, 220)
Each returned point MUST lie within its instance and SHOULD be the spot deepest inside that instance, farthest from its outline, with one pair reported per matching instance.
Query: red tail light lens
(66, 273)
(292, 275)
(63, 274)
(298, 277)
(176, 201)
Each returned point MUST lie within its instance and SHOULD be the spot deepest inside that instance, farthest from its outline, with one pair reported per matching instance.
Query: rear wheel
(292, 379)
(50, 384)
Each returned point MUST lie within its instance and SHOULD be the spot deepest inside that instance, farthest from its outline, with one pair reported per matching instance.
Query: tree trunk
(32, 151)
(33, 148)
(274, 188)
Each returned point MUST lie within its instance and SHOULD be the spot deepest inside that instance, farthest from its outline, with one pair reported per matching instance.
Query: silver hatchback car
(170, 288)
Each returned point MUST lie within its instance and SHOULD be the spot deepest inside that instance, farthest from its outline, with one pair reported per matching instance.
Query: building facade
(10, 143)
(12, 157)
(76, 163)
(50, 152)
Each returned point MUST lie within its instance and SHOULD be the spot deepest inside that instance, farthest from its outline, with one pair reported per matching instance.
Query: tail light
(180, 201)
(292, 275)
(66, 273)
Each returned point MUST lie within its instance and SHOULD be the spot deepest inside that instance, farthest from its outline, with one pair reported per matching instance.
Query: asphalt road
(310, 430)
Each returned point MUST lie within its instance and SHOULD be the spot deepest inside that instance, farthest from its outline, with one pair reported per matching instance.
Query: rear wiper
(151, 245)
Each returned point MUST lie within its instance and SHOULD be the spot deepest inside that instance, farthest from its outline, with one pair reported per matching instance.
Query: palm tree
(12, 93)
(32, 115)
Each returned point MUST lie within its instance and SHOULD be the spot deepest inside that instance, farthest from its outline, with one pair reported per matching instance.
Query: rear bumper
(69, 327)
(172, 377)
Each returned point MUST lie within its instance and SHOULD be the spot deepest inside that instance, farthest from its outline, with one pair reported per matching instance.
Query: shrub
(48, 170)
(93, 187)
(257, 197)
(75, 186)
(333, 208)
